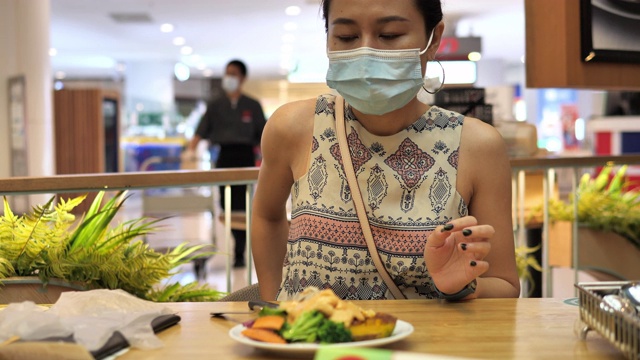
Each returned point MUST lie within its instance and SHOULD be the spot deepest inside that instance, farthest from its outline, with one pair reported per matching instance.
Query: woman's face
(379, 24)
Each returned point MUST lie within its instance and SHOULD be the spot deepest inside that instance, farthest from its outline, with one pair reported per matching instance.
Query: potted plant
(608, 210)
(604, 203)
(50, 245)
(525, 262)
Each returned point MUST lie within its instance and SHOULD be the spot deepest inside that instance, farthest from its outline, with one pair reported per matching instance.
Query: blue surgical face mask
(230, 83)
(376, 81)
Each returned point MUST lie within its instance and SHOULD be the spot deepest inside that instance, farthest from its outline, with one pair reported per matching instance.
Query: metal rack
(620, 329)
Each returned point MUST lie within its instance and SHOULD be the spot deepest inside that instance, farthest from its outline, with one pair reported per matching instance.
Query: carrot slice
(263, 335)
(271, 322)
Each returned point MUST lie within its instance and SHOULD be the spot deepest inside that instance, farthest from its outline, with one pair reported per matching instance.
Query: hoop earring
(441, 84)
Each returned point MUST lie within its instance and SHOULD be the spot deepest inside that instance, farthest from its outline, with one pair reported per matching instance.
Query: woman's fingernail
(463, 246)
(466, 232)
(473, 263)
(447, 227)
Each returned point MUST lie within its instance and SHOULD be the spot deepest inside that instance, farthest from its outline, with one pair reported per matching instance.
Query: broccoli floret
(305, 328)
(331, 332)
(312, 326)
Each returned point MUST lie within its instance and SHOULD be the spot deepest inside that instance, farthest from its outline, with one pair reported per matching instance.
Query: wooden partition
(80, 130)
(553, 58)
(80, 135)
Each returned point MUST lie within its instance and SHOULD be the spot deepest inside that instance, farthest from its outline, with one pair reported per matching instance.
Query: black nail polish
(463, 246)
(466, 232)
(473, 263)
(447, 227)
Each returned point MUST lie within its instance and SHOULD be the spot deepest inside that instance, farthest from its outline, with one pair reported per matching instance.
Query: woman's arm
(480, 245)
(284, 143)
(484, 154)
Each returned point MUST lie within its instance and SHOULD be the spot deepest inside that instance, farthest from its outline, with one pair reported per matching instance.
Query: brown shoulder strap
(357, 199)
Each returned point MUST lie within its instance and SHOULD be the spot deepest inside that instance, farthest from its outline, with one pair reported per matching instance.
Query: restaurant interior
(103, 97)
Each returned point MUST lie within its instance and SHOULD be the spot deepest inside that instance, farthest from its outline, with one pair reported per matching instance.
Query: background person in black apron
(234, 122)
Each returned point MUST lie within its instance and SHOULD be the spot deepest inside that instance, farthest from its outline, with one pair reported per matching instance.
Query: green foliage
(525, 260)
(312, 326)
(305, 328)
(604, 203)
(50, 243)
(330, 332)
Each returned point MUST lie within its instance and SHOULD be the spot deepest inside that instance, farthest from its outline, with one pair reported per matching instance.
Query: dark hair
(431, 11)
(240, 65)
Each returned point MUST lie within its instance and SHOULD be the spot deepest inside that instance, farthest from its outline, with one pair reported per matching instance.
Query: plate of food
(319, 318)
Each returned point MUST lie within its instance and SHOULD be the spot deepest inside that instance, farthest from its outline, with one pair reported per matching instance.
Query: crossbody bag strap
(356, 195)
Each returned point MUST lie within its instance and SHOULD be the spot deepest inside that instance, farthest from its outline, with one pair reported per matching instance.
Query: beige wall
(274, 93)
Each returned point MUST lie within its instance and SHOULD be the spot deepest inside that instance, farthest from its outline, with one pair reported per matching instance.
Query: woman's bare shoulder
(287, 136)
(481, 138)
(483, 155)
(293, 119)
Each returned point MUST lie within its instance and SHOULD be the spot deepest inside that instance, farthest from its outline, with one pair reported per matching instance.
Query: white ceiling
(90, 43)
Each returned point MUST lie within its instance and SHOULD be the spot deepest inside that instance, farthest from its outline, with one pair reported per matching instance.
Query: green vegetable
(312, 326)
(331, 332)
(266, 311)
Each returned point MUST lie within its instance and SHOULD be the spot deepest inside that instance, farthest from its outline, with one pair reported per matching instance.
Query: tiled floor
(198, 227)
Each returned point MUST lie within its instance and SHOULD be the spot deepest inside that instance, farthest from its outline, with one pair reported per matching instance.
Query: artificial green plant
(607, 202)
(49, 243)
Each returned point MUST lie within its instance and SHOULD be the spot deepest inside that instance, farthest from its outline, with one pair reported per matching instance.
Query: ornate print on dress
(326, 247)
(453, 159)
(440, 191)
(324, 106)
(350, 276)
(376, 187)
(440, 147)
(410, 164)
(359, 156)
(317, 177)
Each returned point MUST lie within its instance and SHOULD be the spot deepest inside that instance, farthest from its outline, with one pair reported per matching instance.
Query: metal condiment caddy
(620, 326)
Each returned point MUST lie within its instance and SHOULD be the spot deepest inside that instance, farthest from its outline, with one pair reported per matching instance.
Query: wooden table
(483, 329)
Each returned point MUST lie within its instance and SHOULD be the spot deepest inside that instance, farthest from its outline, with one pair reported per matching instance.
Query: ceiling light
(207, 72)
(58, 85)
(288, 38)
(290, 26)
(60, 75)
(201, 66)
(292, 10)
(166, 28)
(474, 56)
(53, 52)
(181, 71)
(186, 50)
(179, 41)
(286, 48)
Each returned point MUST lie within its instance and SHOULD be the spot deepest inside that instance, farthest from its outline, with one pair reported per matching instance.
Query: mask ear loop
(441, 84)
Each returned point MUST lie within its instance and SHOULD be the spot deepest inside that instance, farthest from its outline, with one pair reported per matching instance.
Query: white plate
(401, 331)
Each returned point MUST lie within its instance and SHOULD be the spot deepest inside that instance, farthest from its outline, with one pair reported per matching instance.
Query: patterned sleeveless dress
(408, 182)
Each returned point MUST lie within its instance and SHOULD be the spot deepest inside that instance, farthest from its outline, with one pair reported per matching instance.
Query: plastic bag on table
(91, 316)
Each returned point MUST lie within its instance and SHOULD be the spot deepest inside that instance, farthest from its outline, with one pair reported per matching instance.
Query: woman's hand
(455, 253)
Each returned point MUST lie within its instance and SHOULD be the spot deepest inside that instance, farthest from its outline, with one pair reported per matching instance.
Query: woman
(437, 185)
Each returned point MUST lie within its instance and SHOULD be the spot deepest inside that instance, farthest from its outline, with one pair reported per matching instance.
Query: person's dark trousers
(236, 156)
